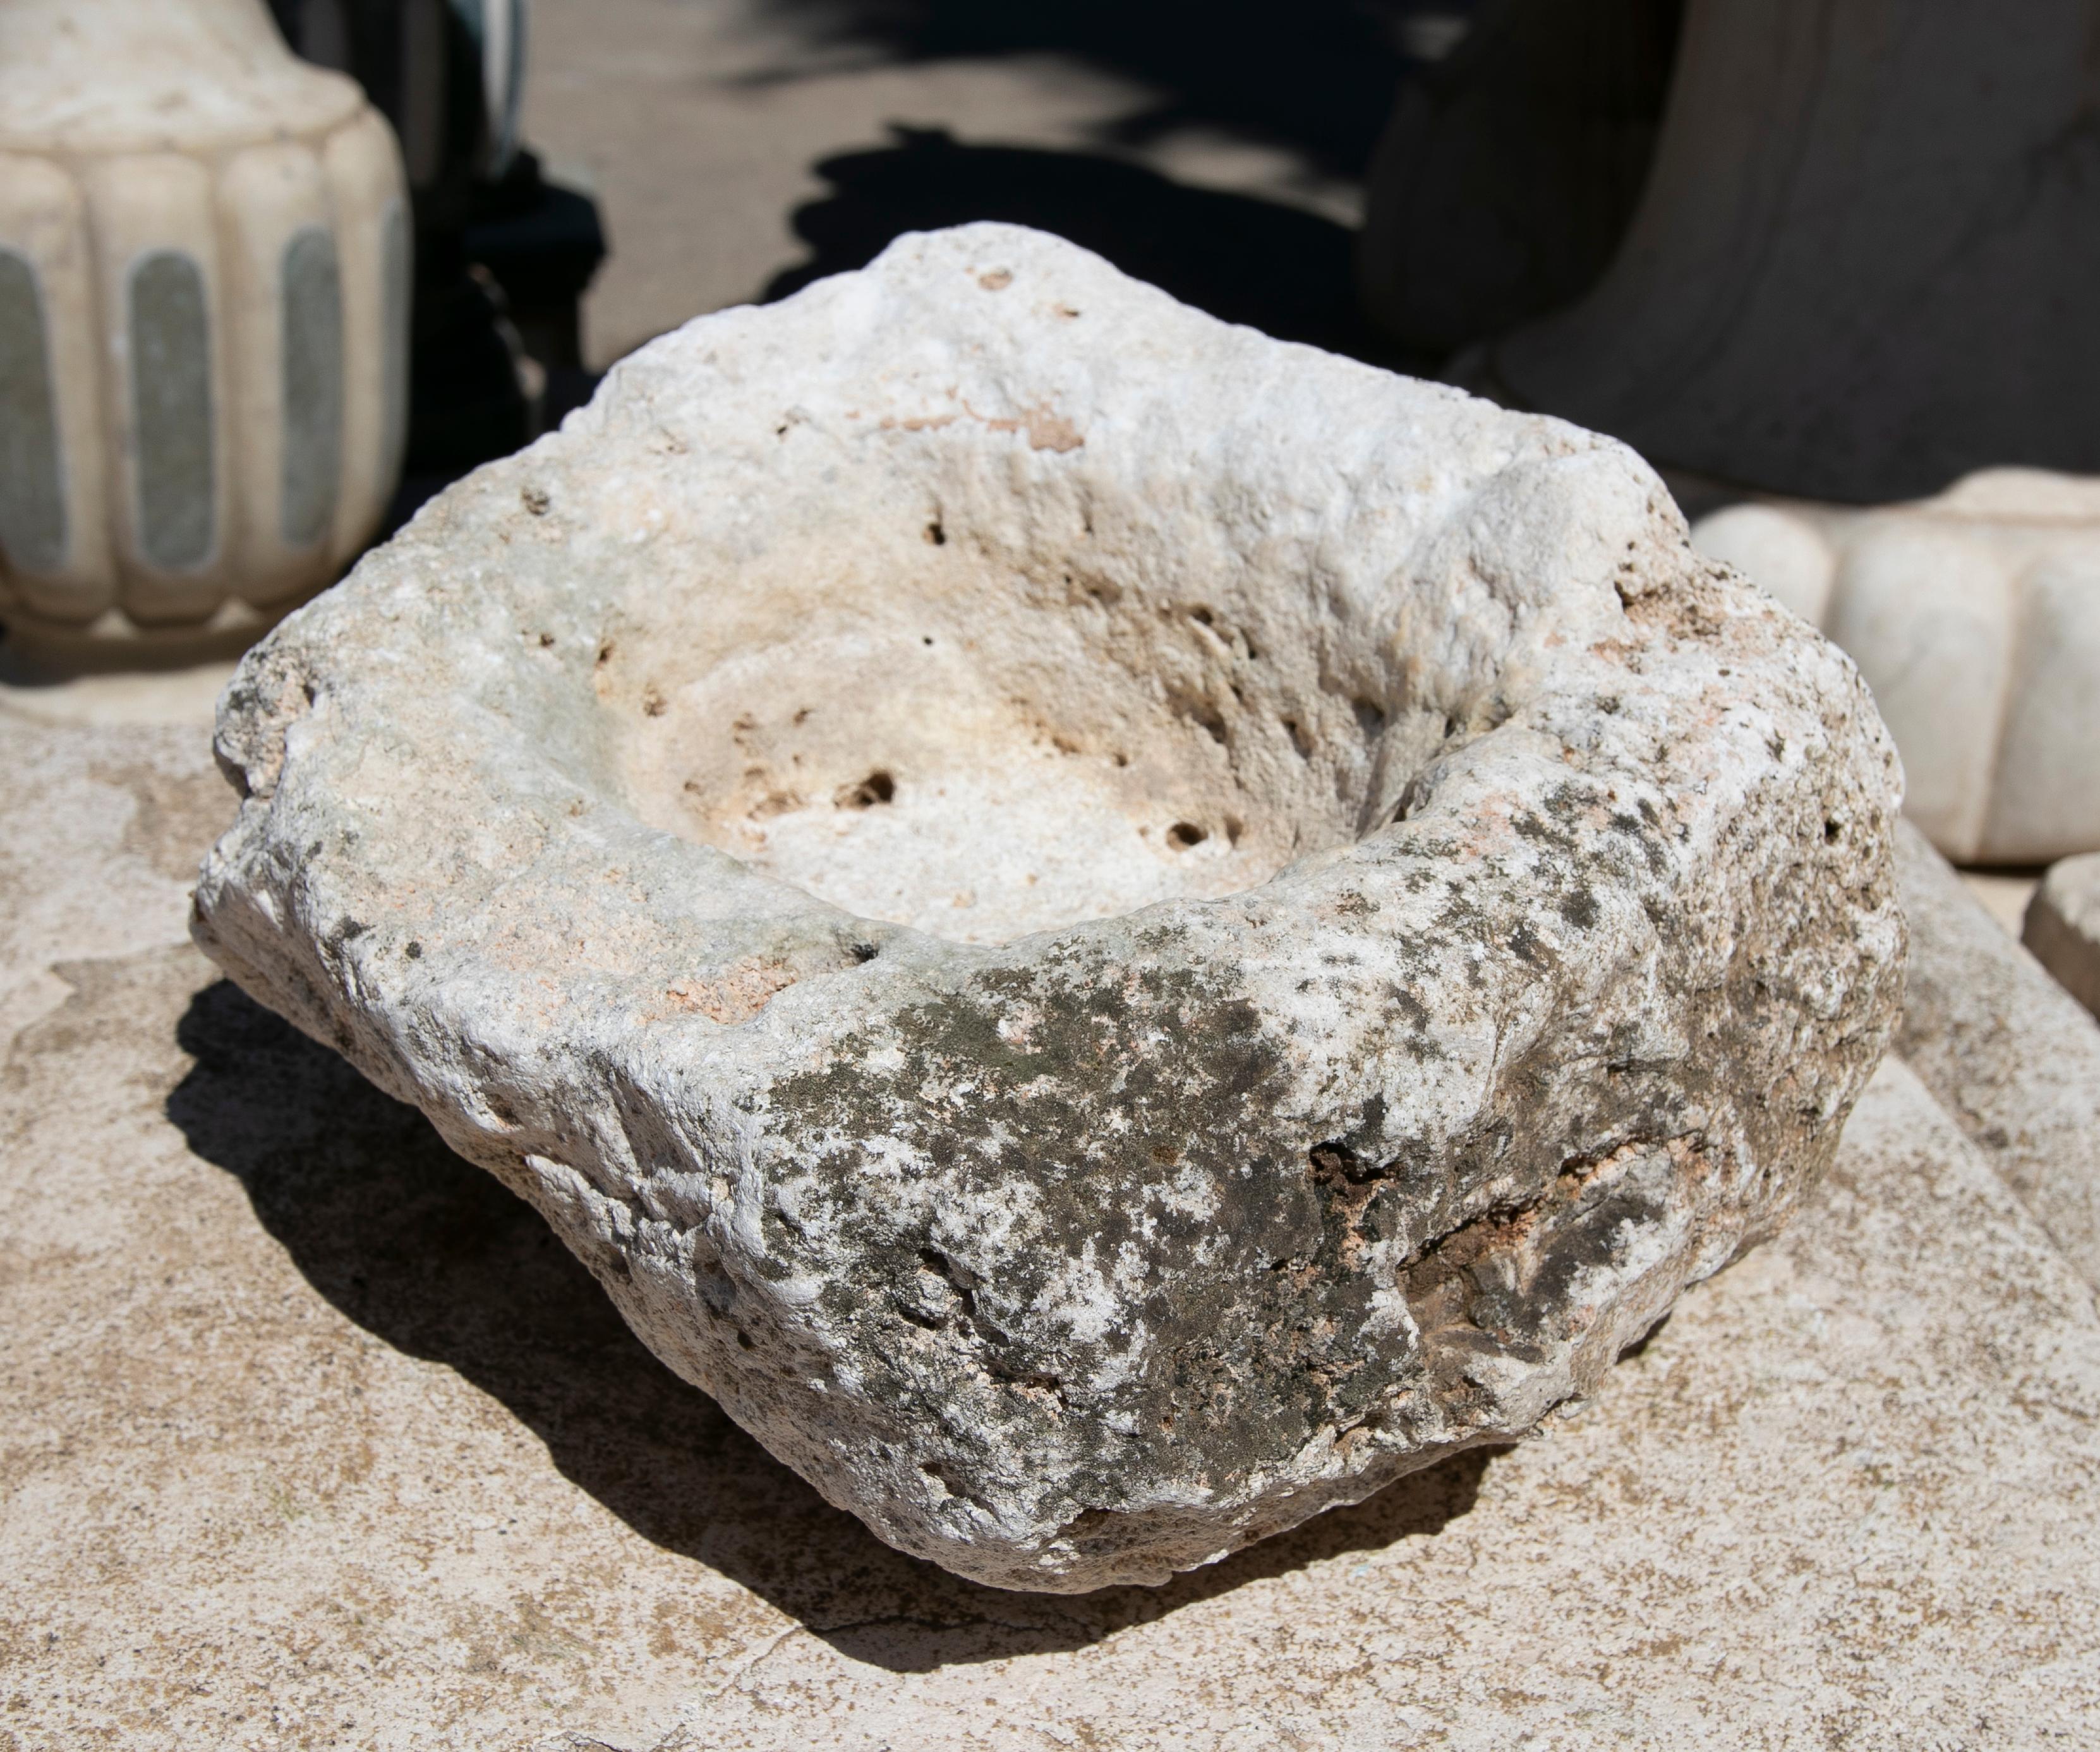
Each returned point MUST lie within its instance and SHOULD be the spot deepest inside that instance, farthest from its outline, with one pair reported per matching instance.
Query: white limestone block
(1975, 618)
(2046, 794)
(1927, 615)
(2063, 927)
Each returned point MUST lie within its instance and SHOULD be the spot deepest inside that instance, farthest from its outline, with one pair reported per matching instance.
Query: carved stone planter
(204, 274)
(1975, 618)
(1113, 931)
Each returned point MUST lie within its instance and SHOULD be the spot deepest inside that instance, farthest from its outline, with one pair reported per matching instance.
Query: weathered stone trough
(1114, 932)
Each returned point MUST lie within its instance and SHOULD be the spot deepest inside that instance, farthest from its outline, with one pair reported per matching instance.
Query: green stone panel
(313, 387)
(32, 516)
(171, 410)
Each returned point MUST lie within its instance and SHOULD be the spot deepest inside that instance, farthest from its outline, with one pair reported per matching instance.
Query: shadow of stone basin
(436, 1259)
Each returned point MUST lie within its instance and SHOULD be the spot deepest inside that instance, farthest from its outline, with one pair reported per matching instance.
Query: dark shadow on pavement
(1315, 75)
(432, 1255)
(1275, 267)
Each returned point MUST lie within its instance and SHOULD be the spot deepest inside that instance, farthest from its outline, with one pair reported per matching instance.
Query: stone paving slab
(311, 1435)
(100, 831)
(2013, 1057)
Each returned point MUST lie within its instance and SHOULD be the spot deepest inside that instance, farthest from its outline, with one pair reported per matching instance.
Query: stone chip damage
(1102, 997)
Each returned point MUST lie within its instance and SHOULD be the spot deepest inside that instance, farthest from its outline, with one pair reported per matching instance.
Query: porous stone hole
(877, 787)
(924, 727)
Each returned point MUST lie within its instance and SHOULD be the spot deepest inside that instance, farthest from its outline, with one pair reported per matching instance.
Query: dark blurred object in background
(1864, 263)
(541, 243)
(1316, 80)
(1317, 75)
(502, 256)
(446, 73)
(1512, 166)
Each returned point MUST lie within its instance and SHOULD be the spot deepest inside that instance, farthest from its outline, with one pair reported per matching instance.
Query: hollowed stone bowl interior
(939, 726)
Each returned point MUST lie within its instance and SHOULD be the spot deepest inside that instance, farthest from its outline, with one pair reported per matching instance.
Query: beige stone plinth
(310, 1436)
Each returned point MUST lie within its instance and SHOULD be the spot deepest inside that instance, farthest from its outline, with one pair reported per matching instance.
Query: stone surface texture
(1112, 931)
(109, 697)
(312, 1436)
(132, 804)
(1975, 618)
(2008, 1052)
(204, 325)
(2061, 927)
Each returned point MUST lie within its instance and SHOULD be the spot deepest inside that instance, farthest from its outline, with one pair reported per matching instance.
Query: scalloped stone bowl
(1113, 931)
(1975, 617)
(205, 293)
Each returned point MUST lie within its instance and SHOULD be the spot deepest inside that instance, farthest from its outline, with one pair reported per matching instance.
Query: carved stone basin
(1113, 931)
